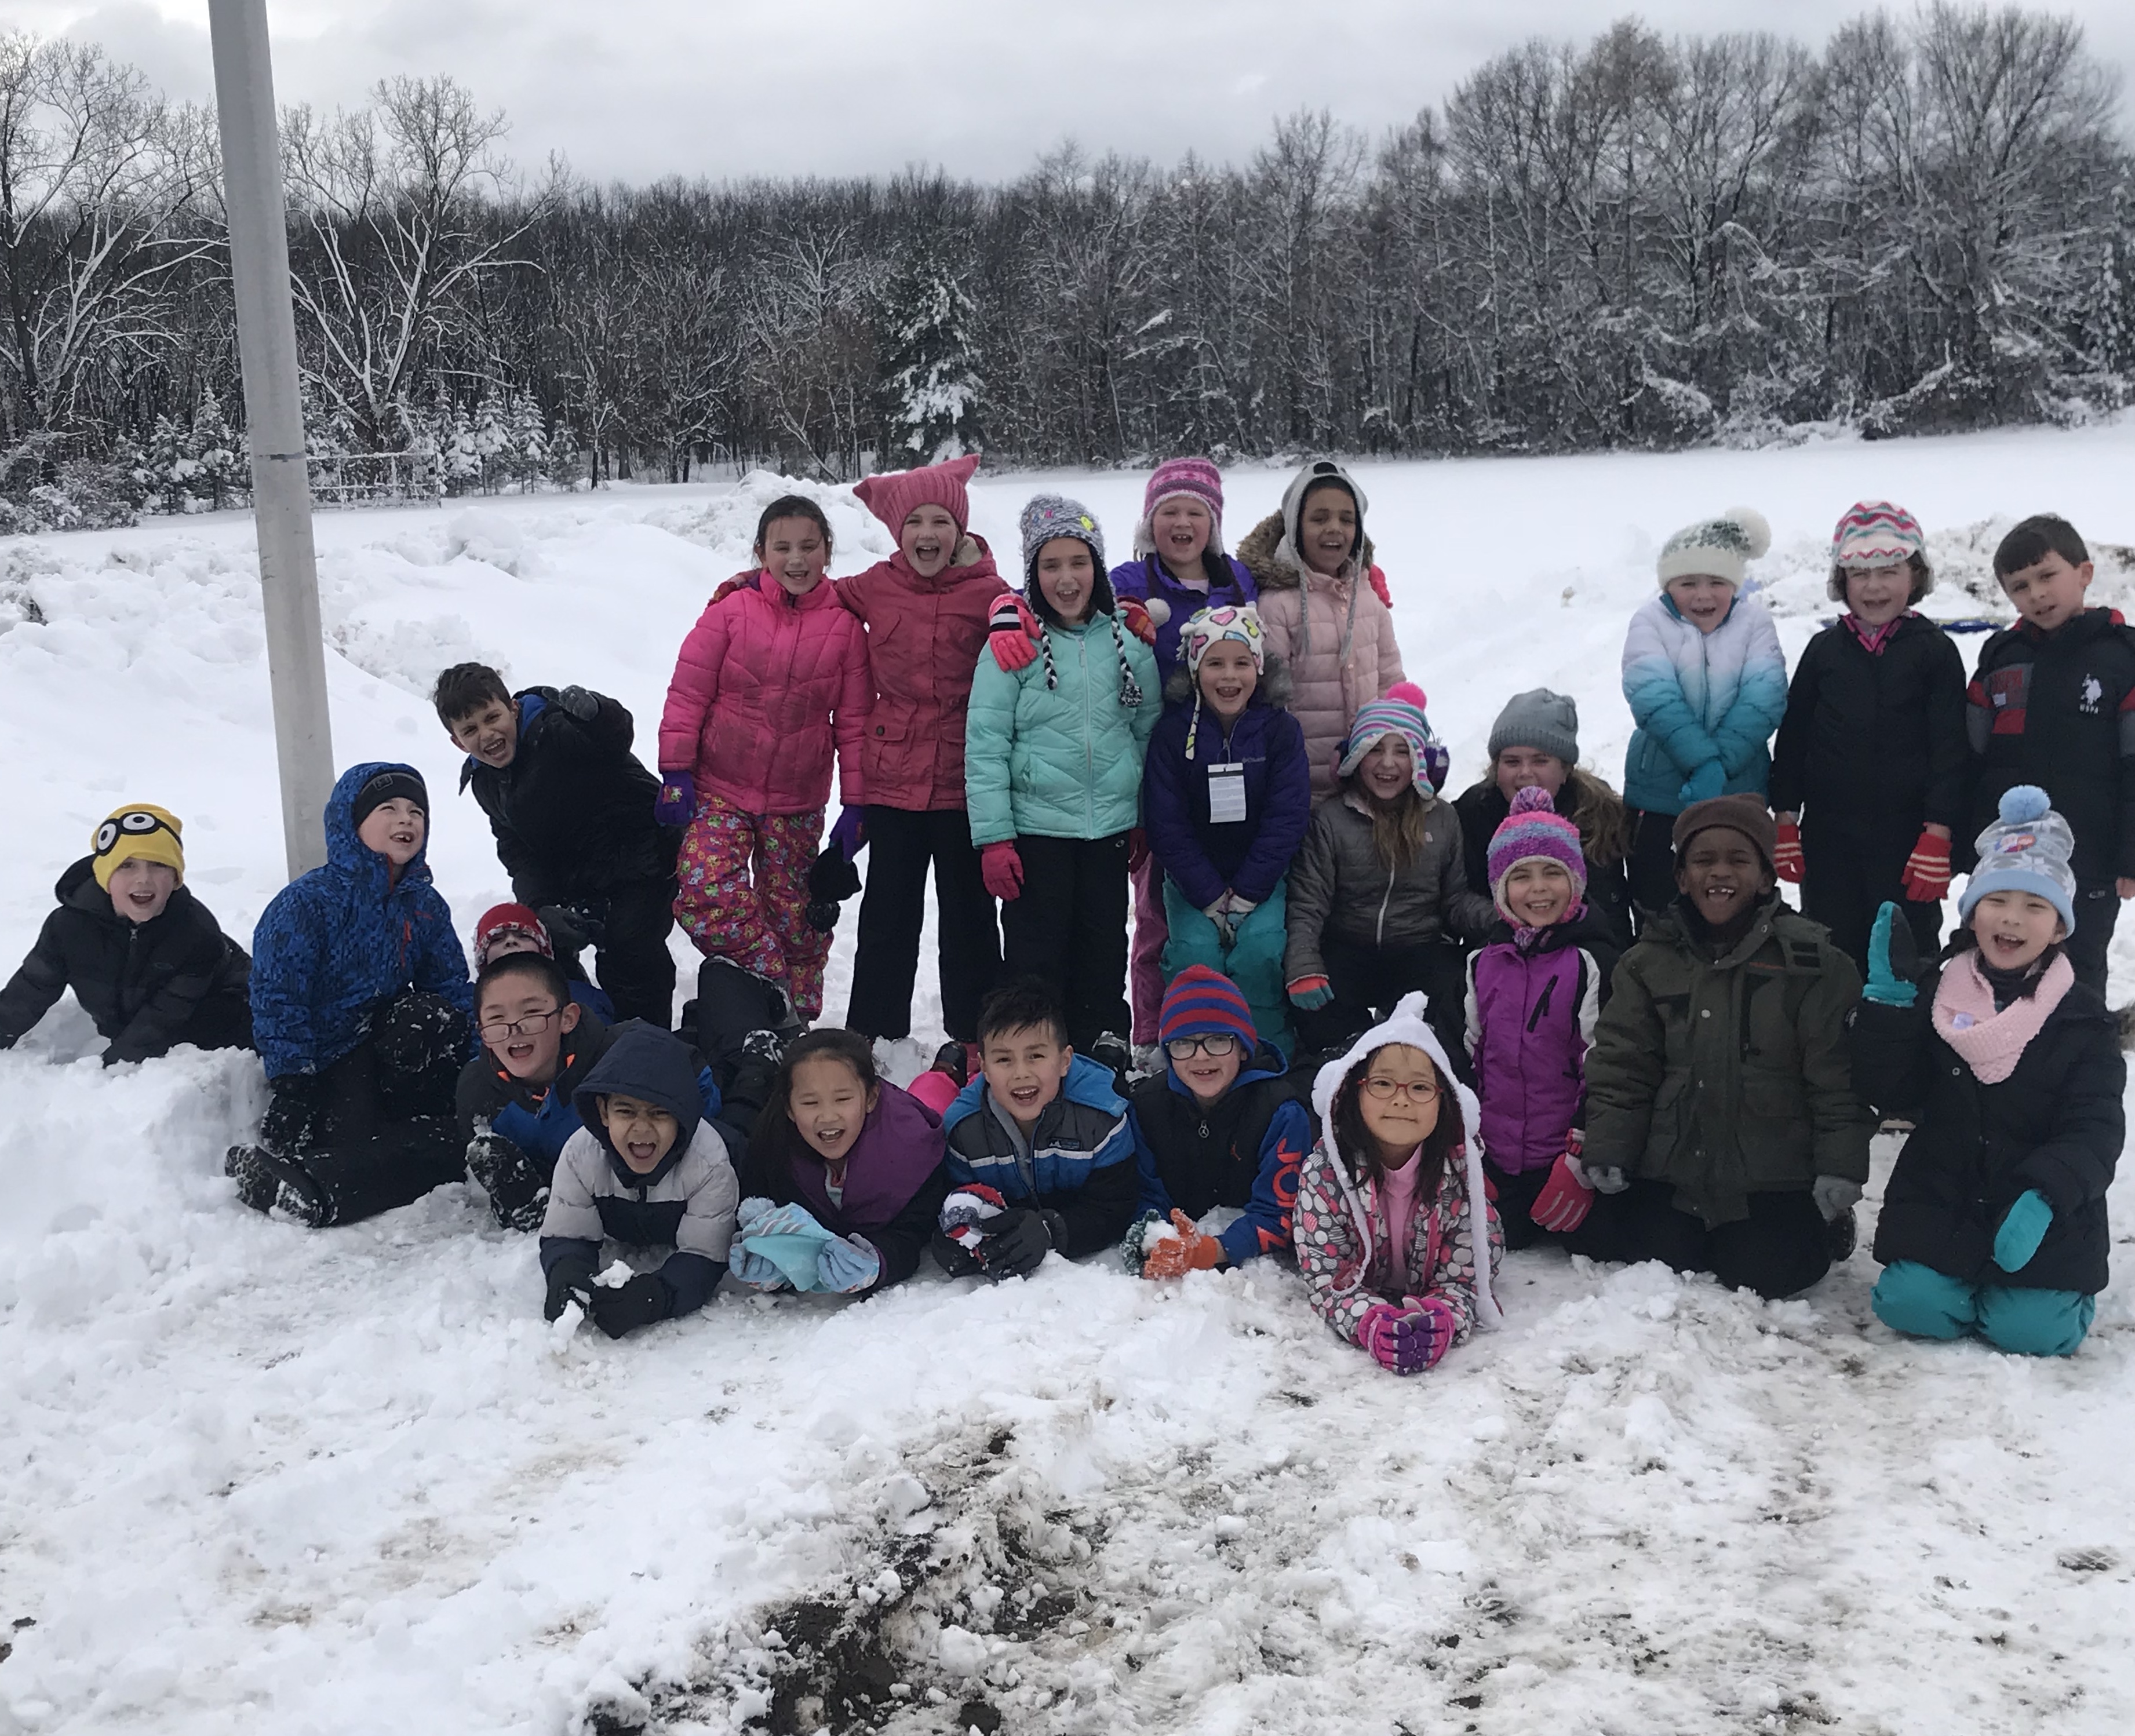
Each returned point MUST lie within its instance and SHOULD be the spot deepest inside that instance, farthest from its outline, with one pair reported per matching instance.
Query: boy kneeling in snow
(1043, 1128)
(647, 1169)
(147, 963)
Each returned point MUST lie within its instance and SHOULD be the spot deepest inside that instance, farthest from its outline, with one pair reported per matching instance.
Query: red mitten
(1787, 855)
(1012, 630)
(1565, 1197)
(1379, 584)
(1137, 620)
(1002, 870)
(1188, 1252)
(739, 582)
(1927, 870)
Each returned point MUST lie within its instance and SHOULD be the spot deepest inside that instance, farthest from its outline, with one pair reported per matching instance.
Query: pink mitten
(1002, 870)
(1012, 632)
(1565, 1197)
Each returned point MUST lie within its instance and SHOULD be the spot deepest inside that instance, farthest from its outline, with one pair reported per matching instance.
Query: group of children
(1391, 1031)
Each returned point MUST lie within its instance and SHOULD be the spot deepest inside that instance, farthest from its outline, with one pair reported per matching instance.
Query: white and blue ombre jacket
(1699, 698)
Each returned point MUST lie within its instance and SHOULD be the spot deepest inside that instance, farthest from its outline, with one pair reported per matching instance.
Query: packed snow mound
(858, 537)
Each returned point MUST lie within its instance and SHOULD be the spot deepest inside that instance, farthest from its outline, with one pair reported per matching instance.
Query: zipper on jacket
(1392, 873)
(1542, 1004)
(1089, 739)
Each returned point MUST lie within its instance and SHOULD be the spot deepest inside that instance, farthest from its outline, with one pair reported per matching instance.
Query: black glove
(643, 1300)
(572, 928)
(832, 878)
(1017, 1249)
(582, 705)
(296, 1117)
(571, 1281)
(953, 1257)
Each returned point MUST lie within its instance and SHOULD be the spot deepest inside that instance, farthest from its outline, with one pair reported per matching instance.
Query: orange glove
(1188, 1252)
(1138, 620)
(1787, 857)
(1927, 870)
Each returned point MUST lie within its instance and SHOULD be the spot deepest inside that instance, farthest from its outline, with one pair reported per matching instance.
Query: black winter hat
(656, 1067)
(395, 783)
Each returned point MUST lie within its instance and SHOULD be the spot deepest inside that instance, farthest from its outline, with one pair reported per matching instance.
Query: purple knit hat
(1535, 831)
(1194, 479)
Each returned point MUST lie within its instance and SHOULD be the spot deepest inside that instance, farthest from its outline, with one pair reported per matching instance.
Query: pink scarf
(1992, 1043)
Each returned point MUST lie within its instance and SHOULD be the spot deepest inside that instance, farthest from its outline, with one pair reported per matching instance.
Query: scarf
(1992, 1043)
(1874, 639)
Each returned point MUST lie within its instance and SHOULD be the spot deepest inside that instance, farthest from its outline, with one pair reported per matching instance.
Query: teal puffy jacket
(1060, 762)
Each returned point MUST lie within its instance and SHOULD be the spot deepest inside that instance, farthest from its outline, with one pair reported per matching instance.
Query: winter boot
(1110, 1050)
(518, 1192)
(951, 1058)
(265, 1181)
(1841, 1236)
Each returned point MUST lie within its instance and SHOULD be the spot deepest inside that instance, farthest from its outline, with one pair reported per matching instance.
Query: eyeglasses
(136, 824)
(532, 1025)
(1386, 1090)
(1210, 1043)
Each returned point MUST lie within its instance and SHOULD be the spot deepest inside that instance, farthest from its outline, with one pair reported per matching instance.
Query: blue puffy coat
(1248, 857)
(1705, 703)
(339, 941)
(1148, 577)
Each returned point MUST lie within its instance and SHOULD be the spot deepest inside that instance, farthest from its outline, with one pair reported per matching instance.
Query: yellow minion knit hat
(139, 831)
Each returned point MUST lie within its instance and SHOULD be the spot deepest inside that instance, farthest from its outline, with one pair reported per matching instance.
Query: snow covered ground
(257, 1479)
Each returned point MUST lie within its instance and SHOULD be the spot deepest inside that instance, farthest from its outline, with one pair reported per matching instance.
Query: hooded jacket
(1148, 579)
(337, 942)
(1699, 698)
(571, 813)
(923, 640)
(1334, 633)
(767, 686)
(1079, 1162)
(1339, 1229)
(1728, 1075)
(143, 983)
(1250, 856)
(687, 1200)
(2056, 1123)
(1245, 1152)
(1339, 884)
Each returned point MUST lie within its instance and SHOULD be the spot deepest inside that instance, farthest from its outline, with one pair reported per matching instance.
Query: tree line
(1636, 241)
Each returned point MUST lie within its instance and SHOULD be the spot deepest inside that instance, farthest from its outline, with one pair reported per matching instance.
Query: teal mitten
(2023, 1228)
(1892, 959)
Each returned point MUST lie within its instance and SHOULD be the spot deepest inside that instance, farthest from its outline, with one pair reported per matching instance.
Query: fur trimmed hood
(1267, 553)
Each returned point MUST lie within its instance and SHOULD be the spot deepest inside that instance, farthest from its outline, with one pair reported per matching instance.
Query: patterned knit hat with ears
(509, 919)
(1400, 713)
(1238, 622)
(1048, 518)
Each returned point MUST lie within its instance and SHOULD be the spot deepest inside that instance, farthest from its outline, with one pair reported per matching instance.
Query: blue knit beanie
(2026, 850)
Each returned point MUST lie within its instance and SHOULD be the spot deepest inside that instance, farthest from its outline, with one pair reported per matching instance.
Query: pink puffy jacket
(923, 636)
(765, 686)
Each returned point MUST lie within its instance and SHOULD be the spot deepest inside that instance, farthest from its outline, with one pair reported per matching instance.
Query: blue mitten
(756, 1270)
(2022, 1230)
(776, 1246)
(848, 1263)
(1708, 781)
(1889, 982)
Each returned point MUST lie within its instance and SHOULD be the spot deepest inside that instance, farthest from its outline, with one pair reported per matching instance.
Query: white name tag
(1227, 794)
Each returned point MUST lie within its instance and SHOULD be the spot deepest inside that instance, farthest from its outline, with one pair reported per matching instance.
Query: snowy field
(256, 1479)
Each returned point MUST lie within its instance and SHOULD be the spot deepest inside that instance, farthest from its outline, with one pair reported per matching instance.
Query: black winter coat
(572, 812)
(144, 983)
(2058, 710)
(1482, 808)
(2054, 1123)
(1873, 745)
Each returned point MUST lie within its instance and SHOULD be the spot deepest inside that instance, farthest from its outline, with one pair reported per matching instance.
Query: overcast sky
(638, 89)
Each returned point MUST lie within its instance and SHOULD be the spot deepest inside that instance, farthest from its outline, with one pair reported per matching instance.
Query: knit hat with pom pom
(1401, 712)
(1534, 831)
(2026, 850)
(1720, 548)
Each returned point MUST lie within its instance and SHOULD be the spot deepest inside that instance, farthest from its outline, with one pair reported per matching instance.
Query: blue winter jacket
(1249, 856)
(1080, 1164)
(1149, 578)
(338, 943)
(1705, 705)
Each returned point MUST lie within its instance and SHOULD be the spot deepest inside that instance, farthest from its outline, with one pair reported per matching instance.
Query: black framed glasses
(134, 824)
(532, 1025)
(1209, 1043)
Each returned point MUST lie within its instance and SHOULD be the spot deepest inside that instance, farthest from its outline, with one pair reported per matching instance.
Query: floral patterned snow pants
(742, 893)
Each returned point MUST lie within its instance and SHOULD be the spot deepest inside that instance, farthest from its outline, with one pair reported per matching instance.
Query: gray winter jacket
(1340, 885)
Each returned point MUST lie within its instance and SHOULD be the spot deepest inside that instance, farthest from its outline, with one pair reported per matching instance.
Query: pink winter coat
(923, 640)
(766, 686)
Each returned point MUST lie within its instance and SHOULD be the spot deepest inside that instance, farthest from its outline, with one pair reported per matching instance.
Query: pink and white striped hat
(1876, 534)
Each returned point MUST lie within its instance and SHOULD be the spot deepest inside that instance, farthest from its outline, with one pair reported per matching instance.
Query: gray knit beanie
(1545, 721)
(1047, 516)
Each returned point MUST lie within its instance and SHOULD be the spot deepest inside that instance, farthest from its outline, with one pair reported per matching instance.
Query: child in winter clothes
(1534, 993)
(1393, 1207)
(1994, 1221)
(2052, 703)
(1227, 796)
(1535, 744)
(1721, 1126)
(1379, 888)
(1053, 764)
(360, 1008)
(847, 1166)
(571, 807)
(771, 682)
(648, 1170)
(1044, 1131)
(1325, 606)
(1870, 770)
(1179, 562)
(1223, 1124)
(1706, 683)
(928, 610)
(146, 959)
(506, 929)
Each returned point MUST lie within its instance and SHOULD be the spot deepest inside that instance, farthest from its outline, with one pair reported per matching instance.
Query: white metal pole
(275, 419)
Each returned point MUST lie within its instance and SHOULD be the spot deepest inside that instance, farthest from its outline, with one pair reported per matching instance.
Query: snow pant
(1368, 980)
(1252, 959)
(2096, 910)
(902, 842)
(1781, 1249)
(1848, 877)
(1918, 1300)
(1069, 930)
(724, 1024)
(1650, 867)
(742, 894)
(374, 1129)
(627, 927)
(1514, 1192)
(1147, 972)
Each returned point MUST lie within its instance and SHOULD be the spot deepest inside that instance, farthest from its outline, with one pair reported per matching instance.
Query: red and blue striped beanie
(1201, 1001)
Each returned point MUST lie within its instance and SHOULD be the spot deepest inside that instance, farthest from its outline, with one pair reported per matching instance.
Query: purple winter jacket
(1248, 857)
(1149, 577)
(1531, 1017)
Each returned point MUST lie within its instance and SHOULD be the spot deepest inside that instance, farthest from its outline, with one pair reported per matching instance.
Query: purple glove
(1406, 1341)
(849, 835)
(677, 805)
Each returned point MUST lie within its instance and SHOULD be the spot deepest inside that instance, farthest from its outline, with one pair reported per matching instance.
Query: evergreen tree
(529, 444)
(211, 454)
(492, 443)
(931, 385)
(463, 458)
(167, 452)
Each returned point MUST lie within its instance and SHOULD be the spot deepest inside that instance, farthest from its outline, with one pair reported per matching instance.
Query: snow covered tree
(527, 444)
(492, 443)
(214, 473)
(931, 385)
(462, 457)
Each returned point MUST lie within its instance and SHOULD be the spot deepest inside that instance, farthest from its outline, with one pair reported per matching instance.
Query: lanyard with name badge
(1226, 793)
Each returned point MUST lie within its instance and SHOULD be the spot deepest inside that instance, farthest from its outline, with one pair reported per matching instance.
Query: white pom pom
(2024, 804)
(1754, 528)
(1160, 610)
